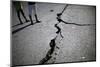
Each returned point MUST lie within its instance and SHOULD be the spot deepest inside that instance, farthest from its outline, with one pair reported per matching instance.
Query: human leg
(18, 14)
(35, 14)
(30, 13)
(24, 15)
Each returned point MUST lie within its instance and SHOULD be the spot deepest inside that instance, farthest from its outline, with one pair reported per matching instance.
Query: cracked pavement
(75, 40)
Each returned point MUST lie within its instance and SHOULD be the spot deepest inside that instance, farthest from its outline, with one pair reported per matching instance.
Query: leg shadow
(19, 29)
(16, 25)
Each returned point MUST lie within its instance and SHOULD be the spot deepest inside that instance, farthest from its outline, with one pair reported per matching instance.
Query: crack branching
(74, 23)
(53, 43)
(60, 20)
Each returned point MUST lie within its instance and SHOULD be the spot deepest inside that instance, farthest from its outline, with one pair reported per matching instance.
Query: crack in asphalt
(75, 23)
(49, 53)
(52, 43)
(52, 47)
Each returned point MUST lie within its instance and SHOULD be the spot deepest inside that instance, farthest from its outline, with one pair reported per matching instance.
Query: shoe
(21, 23)
(32, 23)
(27, 20)
(38, 21)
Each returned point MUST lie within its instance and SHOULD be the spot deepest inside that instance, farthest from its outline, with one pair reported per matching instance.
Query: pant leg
(34, 8)
(35, 14)
(30, 9)
(30, 12)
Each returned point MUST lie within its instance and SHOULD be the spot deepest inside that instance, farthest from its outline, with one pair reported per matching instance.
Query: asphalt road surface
(31, 43)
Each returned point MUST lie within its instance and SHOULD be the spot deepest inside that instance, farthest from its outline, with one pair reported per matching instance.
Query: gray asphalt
(31, 44)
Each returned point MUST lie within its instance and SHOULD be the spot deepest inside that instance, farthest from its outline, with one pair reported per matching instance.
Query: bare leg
(31, 19)
(18, 14)
(36, 13)
(24, 15)
(36, 19)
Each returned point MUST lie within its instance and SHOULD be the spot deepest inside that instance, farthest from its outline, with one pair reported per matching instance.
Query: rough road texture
(69, 37)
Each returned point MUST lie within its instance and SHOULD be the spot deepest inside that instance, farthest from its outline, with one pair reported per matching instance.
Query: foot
(21, 23)
(32, 23)
(27, 20)
(38, 21)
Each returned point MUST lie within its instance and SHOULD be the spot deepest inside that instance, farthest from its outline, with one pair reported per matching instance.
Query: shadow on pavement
(19, 29)
(16, 25)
